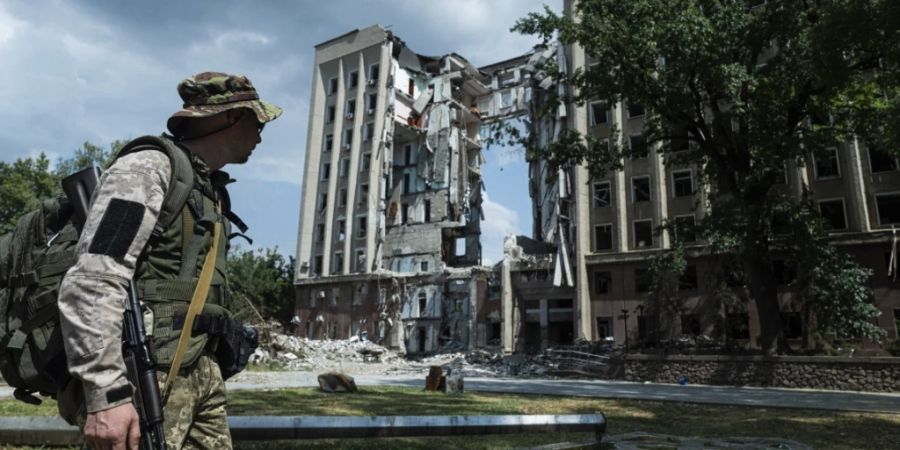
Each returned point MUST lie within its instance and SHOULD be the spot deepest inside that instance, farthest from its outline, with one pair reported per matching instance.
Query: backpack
(34, 258)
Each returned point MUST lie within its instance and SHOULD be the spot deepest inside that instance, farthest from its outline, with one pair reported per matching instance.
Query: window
(335, 299)
(326, 172)
(602, 237)
(604, 327)
(329, 142)
(827, 166)
(423, 266)
(332, 86)
(407, 183)
(351, 108)
(320, 232)
(598, 112)
(342, 198)
(361, 227)
(688, 280)
(341, 230)
(330, 113)
(635, 110)
(690, 325)
(641, 280)
(338, 264)
(640, 189)
(363, 193)
(353, 79)
(602, 282)
(411, 89)
(373, 74)
(638, 146)
(682, 183)
(423, 304)
(366, 162)
(833, 213)
(345, 167)
(792, 324)
(601, 194)
(880, 160)
(323, 201)
(427, 211)
(348, 138)
(371, 101)
(317, 266)
(360, 261)
(408, 154)
(404, 213)
(738, 326)
(888, 206)
(685, 231)
(643, 233)
(369, 131)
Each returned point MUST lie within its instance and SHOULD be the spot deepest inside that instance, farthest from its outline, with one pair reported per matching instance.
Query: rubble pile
(293, 353)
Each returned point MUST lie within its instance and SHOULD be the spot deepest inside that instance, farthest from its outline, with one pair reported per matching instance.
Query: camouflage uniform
(92, 296)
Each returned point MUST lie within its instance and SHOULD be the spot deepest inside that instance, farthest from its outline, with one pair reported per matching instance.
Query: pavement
(720, 395)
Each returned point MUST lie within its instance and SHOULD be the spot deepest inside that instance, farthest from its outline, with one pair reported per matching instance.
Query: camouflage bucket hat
(210, 93)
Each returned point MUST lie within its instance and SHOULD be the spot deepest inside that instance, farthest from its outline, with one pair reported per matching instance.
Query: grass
(818, 429)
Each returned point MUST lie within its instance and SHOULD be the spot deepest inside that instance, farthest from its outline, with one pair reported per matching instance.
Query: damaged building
(389, 240)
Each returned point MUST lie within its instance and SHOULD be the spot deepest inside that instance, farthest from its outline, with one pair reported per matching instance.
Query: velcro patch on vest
(118, 227)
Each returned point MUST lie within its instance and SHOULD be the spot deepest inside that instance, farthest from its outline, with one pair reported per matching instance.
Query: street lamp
(625, 321)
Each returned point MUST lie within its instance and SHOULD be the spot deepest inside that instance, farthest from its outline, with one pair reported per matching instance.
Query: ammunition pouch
(234, 341)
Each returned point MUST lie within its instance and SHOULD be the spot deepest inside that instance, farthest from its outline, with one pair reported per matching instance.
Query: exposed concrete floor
(725, 395)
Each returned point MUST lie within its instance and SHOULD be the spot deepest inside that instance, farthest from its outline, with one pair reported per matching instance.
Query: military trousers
(194, 411)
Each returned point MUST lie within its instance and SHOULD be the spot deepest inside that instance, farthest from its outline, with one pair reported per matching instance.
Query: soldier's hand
(117, 428)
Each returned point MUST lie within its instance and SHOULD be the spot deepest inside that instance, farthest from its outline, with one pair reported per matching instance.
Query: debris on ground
(336, 382)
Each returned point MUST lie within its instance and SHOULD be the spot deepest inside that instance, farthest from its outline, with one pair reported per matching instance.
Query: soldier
(220, 123)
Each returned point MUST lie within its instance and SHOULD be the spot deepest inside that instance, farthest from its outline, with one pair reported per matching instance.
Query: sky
(104, 70)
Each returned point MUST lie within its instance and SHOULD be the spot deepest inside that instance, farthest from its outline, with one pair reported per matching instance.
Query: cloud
(9, 26)
(499, 222)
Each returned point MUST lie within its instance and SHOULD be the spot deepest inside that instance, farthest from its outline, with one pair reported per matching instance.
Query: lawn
(818, 429)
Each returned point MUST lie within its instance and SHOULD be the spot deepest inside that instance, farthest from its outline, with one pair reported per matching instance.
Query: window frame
(352, 79)
(594, 241)
(631, 153)
(843, 212)
(594, 198)
(878, 207)
(634, 234)
(592, 116)
(837, 159)
(690, 179)
(649, 189)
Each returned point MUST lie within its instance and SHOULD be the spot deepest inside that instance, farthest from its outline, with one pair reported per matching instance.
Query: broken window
(833, 213)
(407, 183)
(635, 109)
(320, 232)
(604, 327)
(362, 226)
(345, 167)
(640, 189)
(427, 211)
(338, 264)
(317, 265)
(351, 108)
(371, 102)
(638, 146)
(598, 111)
(330, 114)
(684, 229)
(332, 86)
(880, 160)
(353, 79)
(690, 325)
(641, 280)
(408, 154)
(888, 206)
(411, 89)
(366, 162)
(341, 230)
(326, 171)
(369, 131)
(602, 237)
(329, 141)
(460, 247)
(342, 198)
(602, 282)
(643, 233)
(323, 201)
(827, 165)
(423, 304)
(601, 194)
(682, 183)
(363, 193)
(373, 74)
(688, 280)
(423, 266)
(360, 261)
(404, 213)
(348, 138)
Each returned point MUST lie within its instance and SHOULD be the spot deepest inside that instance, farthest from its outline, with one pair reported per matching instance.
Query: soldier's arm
(92, 295)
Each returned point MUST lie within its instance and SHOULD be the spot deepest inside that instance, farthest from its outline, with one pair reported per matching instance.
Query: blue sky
(101, 70)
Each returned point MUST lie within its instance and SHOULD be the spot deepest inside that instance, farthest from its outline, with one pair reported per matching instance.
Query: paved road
(743, 396)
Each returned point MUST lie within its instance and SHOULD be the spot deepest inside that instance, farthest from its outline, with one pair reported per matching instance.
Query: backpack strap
(180, 183)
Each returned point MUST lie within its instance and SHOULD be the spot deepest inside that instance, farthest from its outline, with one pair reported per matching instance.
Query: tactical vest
(169, 268)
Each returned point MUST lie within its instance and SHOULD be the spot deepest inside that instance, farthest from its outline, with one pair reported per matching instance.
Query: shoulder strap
(181, 181)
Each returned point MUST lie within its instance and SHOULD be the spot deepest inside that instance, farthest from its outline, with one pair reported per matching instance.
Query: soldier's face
(247, 134)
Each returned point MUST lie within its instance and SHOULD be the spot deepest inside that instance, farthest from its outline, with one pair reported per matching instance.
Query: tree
(264, 279)
(23, 184)
(751, 86)
(86, 156)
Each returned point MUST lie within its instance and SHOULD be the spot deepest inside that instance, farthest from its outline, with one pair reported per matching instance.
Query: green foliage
(262, 280)
(751, 90)
(86, 156)
(23, 184)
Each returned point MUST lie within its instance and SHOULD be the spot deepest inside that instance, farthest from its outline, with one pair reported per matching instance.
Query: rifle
(78, 188)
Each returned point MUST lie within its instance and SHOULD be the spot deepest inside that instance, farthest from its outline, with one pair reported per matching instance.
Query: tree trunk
(763, 288)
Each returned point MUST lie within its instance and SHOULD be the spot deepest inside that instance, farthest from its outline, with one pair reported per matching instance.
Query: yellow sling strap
(197, 302)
